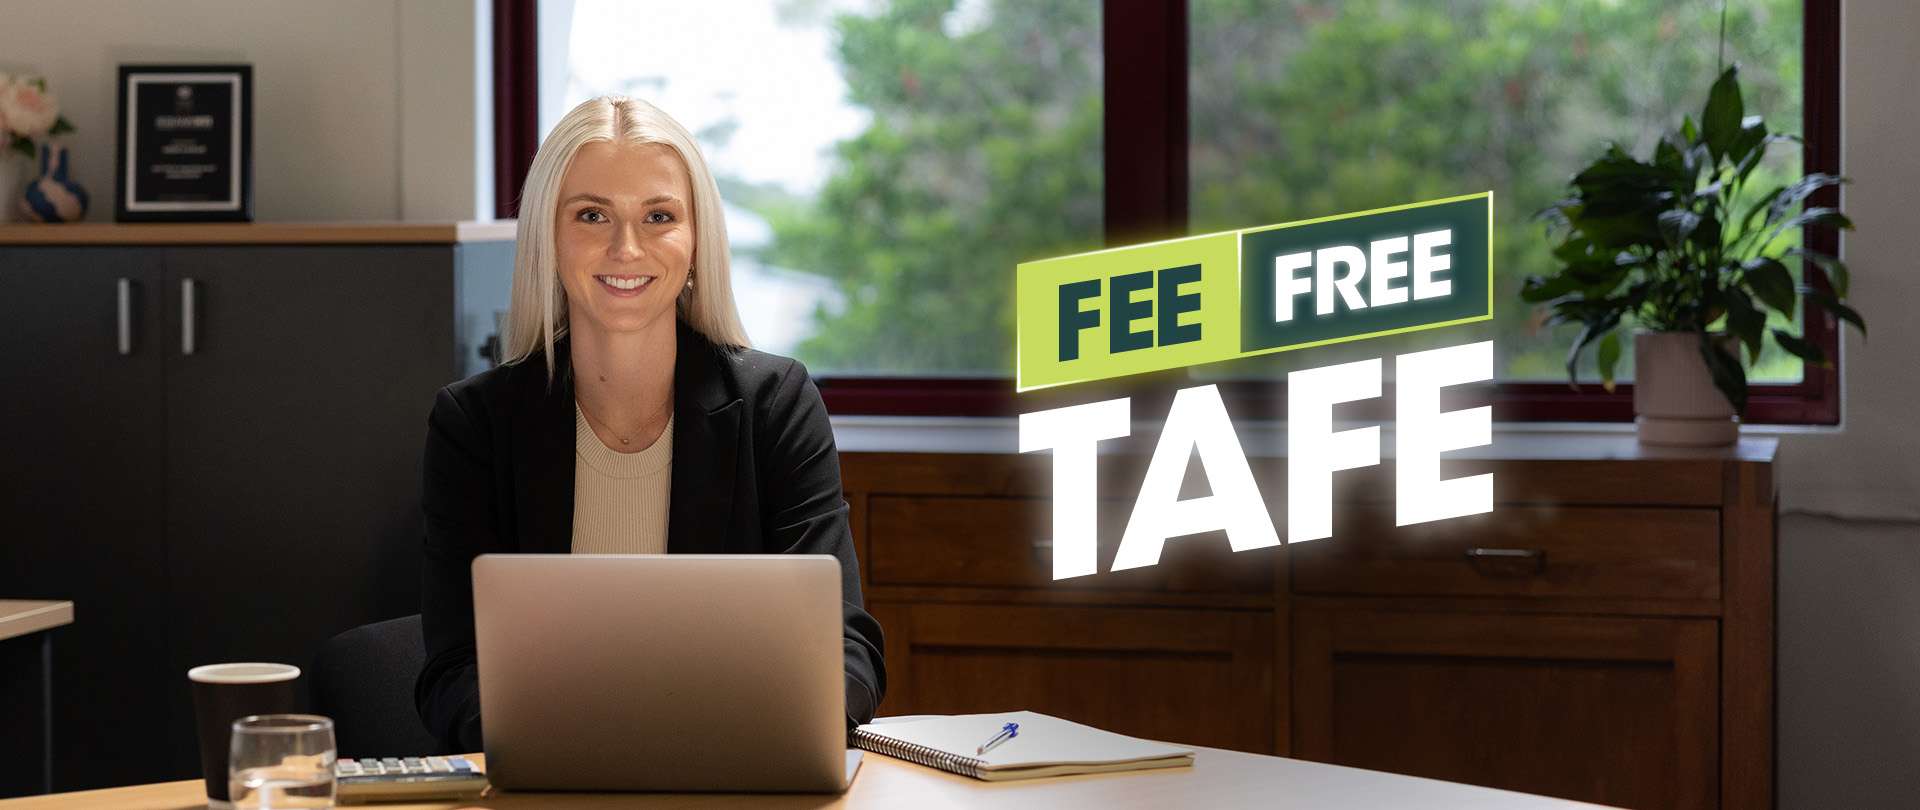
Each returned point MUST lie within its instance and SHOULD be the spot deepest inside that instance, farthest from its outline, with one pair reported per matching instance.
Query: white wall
(363, 109)
(1849, 597)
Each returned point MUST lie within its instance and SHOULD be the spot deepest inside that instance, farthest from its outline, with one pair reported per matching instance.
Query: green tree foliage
(984, 145)
(983, 151)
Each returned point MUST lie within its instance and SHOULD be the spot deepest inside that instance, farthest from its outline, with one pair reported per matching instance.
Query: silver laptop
(681, 672)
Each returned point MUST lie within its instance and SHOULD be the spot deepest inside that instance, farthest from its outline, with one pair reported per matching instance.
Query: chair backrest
(363, 679)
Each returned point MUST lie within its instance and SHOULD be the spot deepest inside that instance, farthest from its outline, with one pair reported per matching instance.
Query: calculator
(391, 779)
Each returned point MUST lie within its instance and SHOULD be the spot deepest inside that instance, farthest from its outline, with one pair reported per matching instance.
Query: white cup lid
(249, 672)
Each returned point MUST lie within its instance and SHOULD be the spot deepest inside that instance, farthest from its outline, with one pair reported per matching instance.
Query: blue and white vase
(53, 196)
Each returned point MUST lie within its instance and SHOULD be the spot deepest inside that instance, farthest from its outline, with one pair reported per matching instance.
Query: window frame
(1145, 98)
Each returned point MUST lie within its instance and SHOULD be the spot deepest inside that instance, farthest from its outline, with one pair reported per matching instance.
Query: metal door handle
(1532, 555)
(125, 296)
(1525, 553)
(186, 316)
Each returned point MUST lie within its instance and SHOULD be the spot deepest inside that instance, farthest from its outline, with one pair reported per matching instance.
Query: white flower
(27, 109)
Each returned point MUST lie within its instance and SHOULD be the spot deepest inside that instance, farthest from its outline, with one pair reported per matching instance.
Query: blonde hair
(537, 313)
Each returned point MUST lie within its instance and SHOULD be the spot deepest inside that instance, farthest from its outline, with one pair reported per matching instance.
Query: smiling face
(624, 235)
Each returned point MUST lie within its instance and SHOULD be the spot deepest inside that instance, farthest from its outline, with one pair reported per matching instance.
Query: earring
(689, 278)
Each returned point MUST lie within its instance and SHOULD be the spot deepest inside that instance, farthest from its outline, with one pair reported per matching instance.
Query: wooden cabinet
(1520, 550)
(1161, 674)
(1606, 634)
(235, 479)
(1619, 711)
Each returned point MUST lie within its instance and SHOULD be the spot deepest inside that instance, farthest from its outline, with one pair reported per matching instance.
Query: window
(887, 162)
(884, 165)
(1302, 109)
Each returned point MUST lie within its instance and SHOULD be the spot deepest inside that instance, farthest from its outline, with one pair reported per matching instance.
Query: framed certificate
(185, 144)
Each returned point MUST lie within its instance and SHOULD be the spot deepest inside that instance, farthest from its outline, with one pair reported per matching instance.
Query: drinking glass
(281, 761)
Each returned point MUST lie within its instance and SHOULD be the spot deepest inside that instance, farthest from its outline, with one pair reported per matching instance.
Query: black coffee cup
(223, 693)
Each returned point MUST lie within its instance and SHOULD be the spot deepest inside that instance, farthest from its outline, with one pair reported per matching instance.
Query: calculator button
(460, 764)
(439, 764)
(346, 768)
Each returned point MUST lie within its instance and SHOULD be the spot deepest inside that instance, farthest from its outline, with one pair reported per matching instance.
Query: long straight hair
(537, 313)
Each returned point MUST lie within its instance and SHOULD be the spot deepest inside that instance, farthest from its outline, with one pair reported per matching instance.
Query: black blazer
(754, 472)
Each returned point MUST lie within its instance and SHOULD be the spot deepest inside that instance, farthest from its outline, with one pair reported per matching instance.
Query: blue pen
(1007, 732)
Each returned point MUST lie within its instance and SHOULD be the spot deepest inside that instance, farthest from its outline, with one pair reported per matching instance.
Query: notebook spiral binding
(917, 754)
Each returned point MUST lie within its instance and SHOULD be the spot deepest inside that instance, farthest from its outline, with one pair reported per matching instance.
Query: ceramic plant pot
(1675, 402)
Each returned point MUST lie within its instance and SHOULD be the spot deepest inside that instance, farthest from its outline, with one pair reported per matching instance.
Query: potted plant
(1680, 246)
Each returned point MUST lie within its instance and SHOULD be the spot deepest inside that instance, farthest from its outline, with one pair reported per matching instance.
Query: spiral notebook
(1045, 746)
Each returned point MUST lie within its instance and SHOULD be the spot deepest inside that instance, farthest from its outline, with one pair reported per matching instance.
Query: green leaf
(1728, 375)
(1765, 203)
(1668, 153)
(1800, 347)
(61, 126)
(1746, 165)
(1816, 217)
(1707, 234)
(1835, 270)
(1720, 121)
(1771, 282)
(1831, 304)
(1783, 200)
(1753, 133)
(1599, 325)
(1811, 218)
(1746, 322)
(1687, 129)
(1677, 224)
(1616, 177)
(23, 146)
(1608, 356)
(1537, 289)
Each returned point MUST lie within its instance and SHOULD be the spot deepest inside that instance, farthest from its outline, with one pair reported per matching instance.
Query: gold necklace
(624, 440)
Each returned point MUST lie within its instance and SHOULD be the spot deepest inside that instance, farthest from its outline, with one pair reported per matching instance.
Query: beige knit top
(620, 499)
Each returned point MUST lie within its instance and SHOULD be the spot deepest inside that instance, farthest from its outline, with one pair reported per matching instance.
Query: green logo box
(1205, 299)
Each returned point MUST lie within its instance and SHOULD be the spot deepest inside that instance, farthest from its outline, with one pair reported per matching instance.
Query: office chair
(363, 679)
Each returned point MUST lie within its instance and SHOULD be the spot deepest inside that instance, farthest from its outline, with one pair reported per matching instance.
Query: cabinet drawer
(1619, 711)
(1197, 677)
(1003, 542)
(1594, 552)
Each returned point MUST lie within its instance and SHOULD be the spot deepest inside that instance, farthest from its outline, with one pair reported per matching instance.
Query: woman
(653, 429)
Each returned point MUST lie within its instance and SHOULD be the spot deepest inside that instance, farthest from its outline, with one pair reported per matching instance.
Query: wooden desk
(19, 617)
(26, 693)
(1221, 779)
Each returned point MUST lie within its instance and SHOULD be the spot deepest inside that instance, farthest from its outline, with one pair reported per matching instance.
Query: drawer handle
(1526, 553)
(187, 322)
(123, 303)
(1533, 555)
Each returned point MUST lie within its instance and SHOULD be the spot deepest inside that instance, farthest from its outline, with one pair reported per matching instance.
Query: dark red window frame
(1146, 198)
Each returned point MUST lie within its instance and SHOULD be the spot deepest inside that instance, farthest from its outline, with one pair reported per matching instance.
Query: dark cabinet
(240, 484)
(82, 431)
